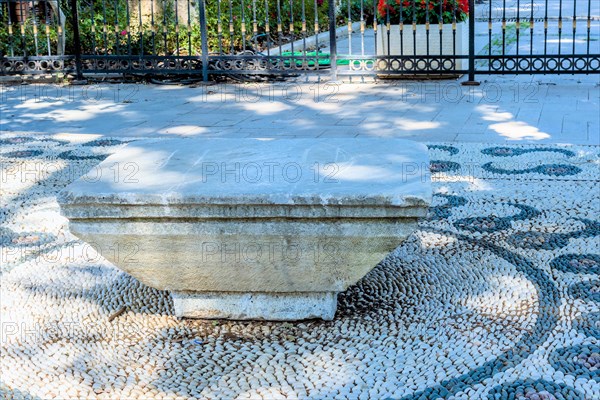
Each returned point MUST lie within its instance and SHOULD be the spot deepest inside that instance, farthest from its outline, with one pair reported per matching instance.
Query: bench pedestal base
(256, 306)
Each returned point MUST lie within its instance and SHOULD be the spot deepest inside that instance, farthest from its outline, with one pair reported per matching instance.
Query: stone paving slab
(523, 109)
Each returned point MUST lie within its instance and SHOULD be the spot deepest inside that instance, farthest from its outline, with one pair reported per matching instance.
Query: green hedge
(104, 27)
(168, 36)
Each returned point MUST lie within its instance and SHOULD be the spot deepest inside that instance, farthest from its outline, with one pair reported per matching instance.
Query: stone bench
(251, 228)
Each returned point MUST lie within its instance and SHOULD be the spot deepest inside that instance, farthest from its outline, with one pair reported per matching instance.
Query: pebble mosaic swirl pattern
(494, 297)
(588, 324)
(577, 263)
(515, 162)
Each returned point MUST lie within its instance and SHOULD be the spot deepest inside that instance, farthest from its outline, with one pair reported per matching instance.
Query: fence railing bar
(332, 40)
(76, 40)
(471, 79)
(204, 38)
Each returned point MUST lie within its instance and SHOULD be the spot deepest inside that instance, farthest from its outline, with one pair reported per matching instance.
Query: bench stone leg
(256, 306)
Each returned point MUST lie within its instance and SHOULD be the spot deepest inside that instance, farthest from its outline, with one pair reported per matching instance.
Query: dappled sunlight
(434, 240)
(267, 109)
(517, 130)
(343, 375)
(83, 113)
(481, 185)
(422, 107)
(486, 109)
(46, 340)
(408, 124)
(477, 246)
(36, 104)
(375, 126)
(300, 123)
(55, 116)
(470, 183)
(358, 173)
(171, 88)
(75, 138)
(498, 117)
(325, 107)
(25, 175)
(144, 175)
(507, 127)
(517, 288)
(401, 159)
(199, 99)
(184, 130)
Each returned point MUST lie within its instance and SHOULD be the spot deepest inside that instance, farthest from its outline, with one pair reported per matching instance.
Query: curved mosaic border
(450, 149)
(589, 290)
(22, 154)
(437, 166)
(577, 263)
(550, 240)
(546, 321)
(501, 151)
(443, 211)
(24, 239)
(582, 361)
(105, 142)
(528, 389)
(494, 223)
(70, 155)
(17, 140)
(546, 169)
(588, 324)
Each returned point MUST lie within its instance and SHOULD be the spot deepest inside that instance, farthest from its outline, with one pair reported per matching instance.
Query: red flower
(421, 10)
(383, 8)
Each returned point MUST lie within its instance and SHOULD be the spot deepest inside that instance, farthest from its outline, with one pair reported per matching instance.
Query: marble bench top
(205, 177)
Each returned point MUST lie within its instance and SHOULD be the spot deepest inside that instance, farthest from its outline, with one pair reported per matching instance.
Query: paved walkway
(524, 109)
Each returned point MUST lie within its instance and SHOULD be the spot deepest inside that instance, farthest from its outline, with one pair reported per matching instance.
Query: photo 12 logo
(253, 92)
(268, 172)
(34, 171)
(44, 93)
(454, 92)
(269, 251)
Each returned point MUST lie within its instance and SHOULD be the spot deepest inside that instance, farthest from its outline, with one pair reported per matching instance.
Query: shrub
(313, 10)
(26, 42)
(104, 28)
(355, 11)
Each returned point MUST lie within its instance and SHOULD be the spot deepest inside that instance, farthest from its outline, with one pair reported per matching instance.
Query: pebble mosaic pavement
(496, 296)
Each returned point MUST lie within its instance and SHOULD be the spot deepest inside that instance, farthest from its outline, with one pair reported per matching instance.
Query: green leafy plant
(26, 37)
(286, 20)
(107, 28)
(358, 9)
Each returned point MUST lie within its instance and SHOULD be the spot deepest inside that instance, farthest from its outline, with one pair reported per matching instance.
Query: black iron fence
(291, 37)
